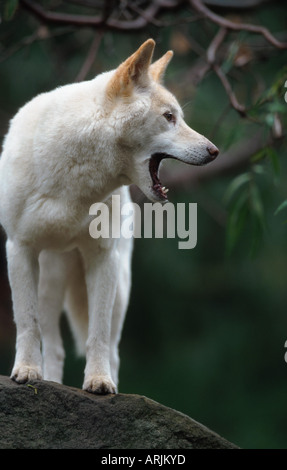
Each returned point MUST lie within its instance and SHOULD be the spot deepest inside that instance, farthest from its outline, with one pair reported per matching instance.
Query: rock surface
(46, 415)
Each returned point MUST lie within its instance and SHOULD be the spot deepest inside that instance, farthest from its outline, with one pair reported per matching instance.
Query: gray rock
(46, 415)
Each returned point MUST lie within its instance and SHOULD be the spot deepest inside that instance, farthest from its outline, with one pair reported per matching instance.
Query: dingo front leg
(23, 270)
(121, 304)
(101, 278)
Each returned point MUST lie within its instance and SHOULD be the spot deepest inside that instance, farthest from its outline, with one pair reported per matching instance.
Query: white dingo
(66, 150)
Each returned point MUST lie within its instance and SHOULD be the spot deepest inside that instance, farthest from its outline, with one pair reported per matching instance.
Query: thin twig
(159, 23)
(211, 59)
(232, 98)
(214, 45)
(86, 3)
(143, 14)
(223, 22)
(90, 59)
(62, 18)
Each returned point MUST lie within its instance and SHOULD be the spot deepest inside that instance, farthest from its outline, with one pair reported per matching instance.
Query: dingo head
(149, 122)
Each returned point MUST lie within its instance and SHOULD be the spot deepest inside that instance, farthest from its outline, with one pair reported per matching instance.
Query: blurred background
(206, 328)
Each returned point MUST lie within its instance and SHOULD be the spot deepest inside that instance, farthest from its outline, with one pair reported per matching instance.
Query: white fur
(64, 151)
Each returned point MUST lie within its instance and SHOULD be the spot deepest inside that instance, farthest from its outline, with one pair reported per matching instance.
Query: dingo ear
(133, 72)
(157, 69)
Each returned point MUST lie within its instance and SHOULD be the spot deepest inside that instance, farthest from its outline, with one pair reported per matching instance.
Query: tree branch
(90, 57)
(214, 45)
(211, 59)
(145, 17)
(62, 18)
(93, 21)
(232, 98)
(149, 16)
(223, 22)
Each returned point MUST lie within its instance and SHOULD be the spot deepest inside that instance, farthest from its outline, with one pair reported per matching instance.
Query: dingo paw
(102, 385)
(25, 373)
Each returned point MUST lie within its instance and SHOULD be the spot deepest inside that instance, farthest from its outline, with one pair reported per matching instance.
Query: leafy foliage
(10, 7)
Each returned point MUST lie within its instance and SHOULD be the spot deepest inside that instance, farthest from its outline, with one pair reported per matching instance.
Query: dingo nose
(213, 152)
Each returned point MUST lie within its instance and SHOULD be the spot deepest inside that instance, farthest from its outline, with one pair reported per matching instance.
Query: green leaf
(258, 156)
(257, 206)
(277, 107)
(282, 206)
(269, 119)
(258, 169)
(274, 158)
(228, 63)
(247, 209)
(256, 237)
(235, 185)
(236, 221)
(10, 8)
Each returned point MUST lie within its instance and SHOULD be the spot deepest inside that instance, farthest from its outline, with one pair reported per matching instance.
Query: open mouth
(154, 164)
(156, 158)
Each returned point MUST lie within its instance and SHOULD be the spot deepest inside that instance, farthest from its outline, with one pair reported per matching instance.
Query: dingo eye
(169, 117)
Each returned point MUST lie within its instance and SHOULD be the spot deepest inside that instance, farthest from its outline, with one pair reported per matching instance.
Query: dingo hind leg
(76, 301)
(52, 283)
